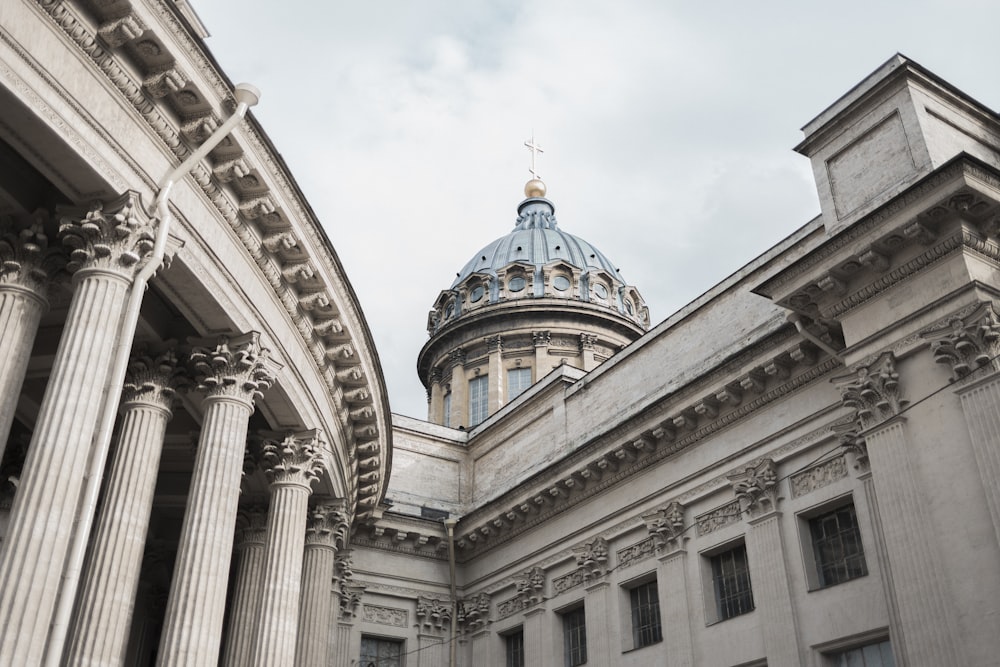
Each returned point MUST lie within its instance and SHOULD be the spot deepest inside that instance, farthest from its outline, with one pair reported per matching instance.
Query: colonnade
(281, 604)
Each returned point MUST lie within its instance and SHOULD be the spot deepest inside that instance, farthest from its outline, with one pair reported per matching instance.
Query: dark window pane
(837, 546)
(731, 580)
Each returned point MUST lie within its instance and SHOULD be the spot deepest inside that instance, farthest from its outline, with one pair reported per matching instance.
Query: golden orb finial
(534, 188)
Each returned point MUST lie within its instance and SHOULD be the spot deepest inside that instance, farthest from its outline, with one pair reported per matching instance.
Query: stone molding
(530, 591)
(235, 367)
(968, 344)
(756, 488)
(116, 237)
(295, 460)
(872, 392)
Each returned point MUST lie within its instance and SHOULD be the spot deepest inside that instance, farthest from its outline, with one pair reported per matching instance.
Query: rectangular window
(380, 652)
(731, 581)
(515, 648)
(645, 602)
(872, 655)
(446, 408)
(478, 393)
(575, 637)
(518, 380)
(837, 549)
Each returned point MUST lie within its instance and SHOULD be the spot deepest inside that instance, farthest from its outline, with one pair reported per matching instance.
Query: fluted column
(981, 405)
(497, 393)
(232, 374)
(757, 490)
(326, 532)
(104, 612)
(926, 614)
(600, 631)
(292, 465)
(250, 541)
(26, 265)
(109, 245)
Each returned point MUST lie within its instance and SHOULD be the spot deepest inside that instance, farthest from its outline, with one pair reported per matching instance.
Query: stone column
(459, 389)
(926, 615)
(109, 245)
(757, 490)
(588, 343)
(250, 536)
(111, 578)
(667, 527)
(292, 465)
(497, 395)
(326, 532)
(233, 374)
(970, 347)
(26, 265)
(543, 365)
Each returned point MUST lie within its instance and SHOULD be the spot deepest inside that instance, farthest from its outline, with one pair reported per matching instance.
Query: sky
(667, 127)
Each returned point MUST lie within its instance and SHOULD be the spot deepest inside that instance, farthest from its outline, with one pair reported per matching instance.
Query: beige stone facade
(798, 468)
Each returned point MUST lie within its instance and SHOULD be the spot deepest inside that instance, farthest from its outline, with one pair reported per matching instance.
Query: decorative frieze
(373, 613)
(709, 522)
(818, 476)
(639, 551)
(873, 391)
(968, 343)
(530, 588)
(756, 487)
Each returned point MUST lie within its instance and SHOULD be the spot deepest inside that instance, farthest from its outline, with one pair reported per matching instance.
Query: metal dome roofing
(536, 239)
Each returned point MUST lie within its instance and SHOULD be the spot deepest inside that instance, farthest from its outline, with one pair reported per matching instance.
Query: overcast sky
(667, 127)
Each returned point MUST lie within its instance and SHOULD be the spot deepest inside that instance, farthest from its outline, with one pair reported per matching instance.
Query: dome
(537, 240)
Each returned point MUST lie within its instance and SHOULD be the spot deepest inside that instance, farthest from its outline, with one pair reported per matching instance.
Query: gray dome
(536, 239)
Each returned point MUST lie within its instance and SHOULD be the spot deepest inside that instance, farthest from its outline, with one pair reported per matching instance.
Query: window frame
(811, 562)
(825, 568)
(652, 608)
(574, 626)
(381, 639)
(479, 406)
(716, 611)
(516, 637)
(521, 371)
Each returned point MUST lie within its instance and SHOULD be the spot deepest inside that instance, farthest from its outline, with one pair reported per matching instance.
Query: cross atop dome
(535, 187)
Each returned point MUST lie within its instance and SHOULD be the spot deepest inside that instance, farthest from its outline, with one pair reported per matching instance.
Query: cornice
(312, 299)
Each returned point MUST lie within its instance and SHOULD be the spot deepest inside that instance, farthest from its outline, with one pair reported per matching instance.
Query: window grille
(575, 636)
(379, 652)
(731, 579)
(515, 648)
(872, 655)
(837, 546)
(645, 615)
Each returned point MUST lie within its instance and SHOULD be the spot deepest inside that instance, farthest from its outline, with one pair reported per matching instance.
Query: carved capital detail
(541, 338)
(294, 460)
(587, 341)
(234, 367)
(968, 343)
(666, 526)
(474, 612)
(873, 392)
(756, 488)
(327, 525)
(251, 527)
(494, 343)
(592, 558)
(433, 614)
(152, 380)
(115, 236)
(25, 256)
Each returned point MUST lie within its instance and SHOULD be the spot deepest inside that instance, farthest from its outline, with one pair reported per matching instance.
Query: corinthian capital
(294, 460)
(756, 487)
(25, 256)
(251, 527)
(115, 236)
(968, 343)
(234, 367)
(152, 380)
(327, 525)
(873, 392)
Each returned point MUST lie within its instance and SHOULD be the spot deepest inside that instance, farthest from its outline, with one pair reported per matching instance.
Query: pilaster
(233, 374)
(926, 614)
(535, 648)
(251, 534)
(326, 532)
(459, 389)
(667, 527)
(108, 245)
(26, 266)
(600, 623)
(756, 489)
(111, 578)
(292, 465)
(497, 391)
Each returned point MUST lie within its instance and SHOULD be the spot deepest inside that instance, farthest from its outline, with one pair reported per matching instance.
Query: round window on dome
(601, 291)
(477, 293)
(516, 284)
(561, 283)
